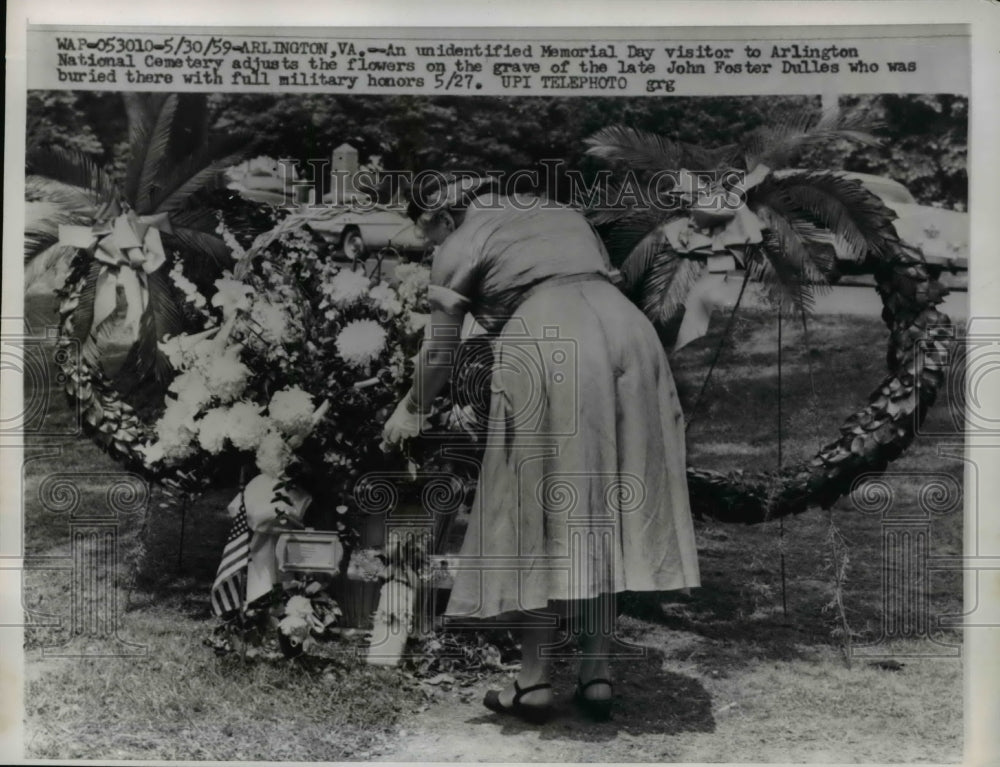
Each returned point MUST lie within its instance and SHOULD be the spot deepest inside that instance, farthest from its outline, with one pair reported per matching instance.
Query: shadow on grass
(647, 700)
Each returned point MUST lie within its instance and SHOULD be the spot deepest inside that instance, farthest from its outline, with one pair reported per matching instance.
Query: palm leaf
(205, 254)
(777, 146)
(857, 218)
(141, 109)
(199, 171)
(153, 153)
(67, 174)
(658, 278)
(639, 149)
(632, 228)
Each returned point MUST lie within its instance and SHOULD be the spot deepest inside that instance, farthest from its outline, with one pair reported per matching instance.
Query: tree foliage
(924, 136)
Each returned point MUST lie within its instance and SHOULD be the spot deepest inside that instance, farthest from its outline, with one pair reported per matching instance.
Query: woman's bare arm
(436, 359)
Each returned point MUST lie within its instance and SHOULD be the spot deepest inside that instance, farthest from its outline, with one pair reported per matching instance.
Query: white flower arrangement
(231, 296)
(225, 375)
(347, 287)
(273, 455)
(176, 431)
(213, 430)
(366, 565)
(191, 389)
(246, 427)
(361, 342)
(291, 410)
(188, 288)
(413, 280)
(386, 299)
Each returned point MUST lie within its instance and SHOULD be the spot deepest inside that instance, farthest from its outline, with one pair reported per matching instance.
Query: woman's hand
(405, 422)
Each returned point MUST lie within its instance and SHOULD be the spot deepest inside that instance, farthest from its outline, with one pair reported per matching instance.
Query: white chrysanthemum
(213, 429)
(272, 323)
(175, 431)
(226, 375)
(231, 296)
(299, 605)
(173, 349)
(385, 299)
(416, 322)
(412, 281)
(273, 455)
(347, 287)
(365, 565)
(361, 342)
(192, 389)
(291, 410)
(246, 427)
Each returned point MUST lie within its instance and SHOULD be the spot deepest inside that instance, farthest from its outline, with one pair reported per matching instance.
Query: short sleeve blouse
(503, 248)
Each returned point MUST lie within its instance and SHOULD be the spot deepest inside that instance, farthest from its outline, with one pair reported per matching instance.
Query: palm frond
(141, 109)
(632, 228)
(153, 154)
(57, 171)
(52, 261)
(205, 254)
(857, 218)
(199, 171)
(809, 248)
(658, 278)
(769, 265)
(796, 259)
(640, 149)
(778, 145)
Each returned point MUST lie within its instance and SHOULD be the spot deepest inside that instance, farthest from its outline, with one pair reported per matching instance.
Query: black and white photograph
(512, 394)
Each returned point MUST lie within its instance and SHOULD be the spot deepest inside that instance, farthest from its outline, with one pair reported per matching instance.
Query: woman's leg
(535, 665)
(595, 625)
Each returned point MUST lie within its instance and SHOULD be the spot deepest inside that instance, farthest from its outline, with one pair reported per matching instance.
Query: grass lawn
(750, 667)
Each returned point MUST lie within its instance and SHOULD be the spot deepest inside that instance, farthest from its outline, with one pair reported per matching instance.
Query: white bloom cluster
(225, 375)
(361, 342)
(213, 430)
(245, 426)
(191, 389)
(272, 323)
(412, 282)
(188, 288)
(297, 620)
(365, 565)
(231, 296)
(291, 410)
(346, 288)
(416, 322)
(175, 432)
(230, 239)
(386, 299)
(273, 455)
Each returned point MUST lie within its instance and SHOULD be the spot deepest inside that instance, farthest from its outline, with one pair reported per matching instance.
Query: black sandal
(598, 709)
(533, 714)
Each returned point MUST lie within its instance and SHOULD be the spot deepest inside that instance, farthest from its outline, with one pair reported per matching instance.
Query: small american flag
(230, 579)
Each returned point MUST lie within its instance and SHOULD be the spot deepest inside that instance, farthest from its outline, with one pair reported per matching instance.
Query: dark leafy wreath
(921, 347)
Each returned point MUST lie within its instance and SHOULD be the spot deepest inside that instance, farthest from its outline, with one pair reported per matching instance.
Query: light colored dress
(582, 488)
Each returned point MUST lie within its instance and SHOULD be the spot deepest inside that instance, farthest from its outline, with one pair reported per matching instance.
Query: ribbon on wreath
(714, 232)
(129, 248)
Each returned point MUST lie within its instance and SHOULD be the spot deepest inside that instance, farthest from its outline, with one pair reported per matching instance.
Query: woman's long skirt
(582, 489)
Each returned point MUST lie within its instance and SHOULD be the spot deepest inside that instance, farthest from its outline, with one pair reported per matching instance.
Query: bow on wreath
(714, 232)
(129, 248)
